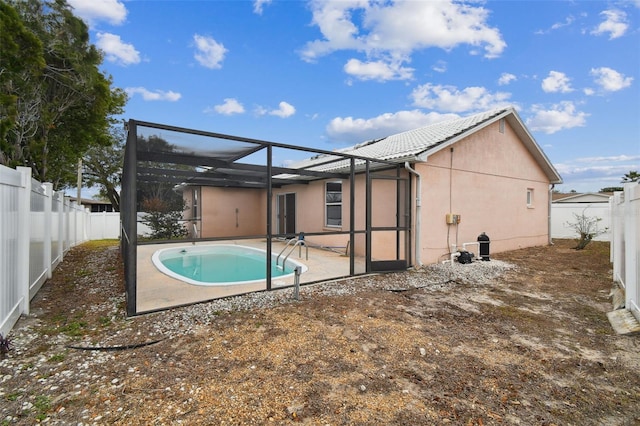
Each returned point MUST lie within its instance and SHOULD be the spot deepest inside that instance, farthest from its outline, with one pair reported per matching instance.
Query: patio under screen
(215, 265)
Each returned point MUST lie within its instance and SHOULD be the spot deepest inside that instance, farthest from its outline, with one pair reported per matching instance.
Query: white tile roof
(413, 142)
(407, 146)
(402, 145)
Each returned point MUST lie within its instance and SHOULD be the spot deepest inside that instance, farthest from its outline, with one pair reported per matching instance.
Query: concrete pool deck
(156, 291)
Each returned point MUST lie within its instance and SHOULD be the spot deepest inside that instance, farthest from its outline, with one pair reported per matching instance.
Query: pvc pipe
(453, 257)
(550, 240)
(296, 283)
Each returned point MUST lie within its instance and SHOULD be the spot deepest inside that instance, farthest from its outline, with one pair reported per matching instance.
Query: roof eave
(516, 123)
(530, 143)
(447, 143)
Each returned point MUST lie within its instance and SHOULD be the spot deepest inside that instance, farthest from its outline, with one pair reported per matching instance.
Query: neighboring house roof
(419, 144)
(89, 201)
(589, 197)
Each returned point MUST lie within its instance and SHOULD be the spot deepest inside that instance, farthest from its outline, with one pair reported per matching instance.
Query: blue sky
(332, 74)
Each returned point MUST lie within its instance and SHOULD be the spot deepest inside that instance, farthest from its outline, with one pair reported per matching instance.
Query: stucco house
(408, 199)
(451, 181)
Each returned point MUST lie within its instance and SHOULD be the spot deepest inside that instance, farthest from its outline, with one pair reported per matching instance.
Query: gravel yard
(522, 339)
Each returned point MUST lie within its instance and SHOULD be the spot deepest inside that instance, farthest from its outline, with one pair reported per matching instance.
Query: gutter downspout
(418, 209)
(553, 185)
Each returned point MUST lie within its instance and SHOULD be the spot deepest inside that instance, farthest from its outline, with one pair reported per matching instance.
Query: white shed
(565, 207)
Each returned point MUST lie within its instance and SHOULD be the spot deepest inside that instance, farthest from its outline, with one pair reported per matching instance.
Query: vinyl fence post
(60, 235)
(631, 246)
(48, 221)
(617, 238)
(24, 216)
(73, 212)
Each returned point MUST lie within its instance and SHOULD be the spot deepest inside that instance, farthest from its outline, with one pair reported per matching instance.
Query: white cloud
(608, 159)
(258, 6)
(615, 24)
(440, 66)
(377, 70)
(334, 21)
(560, 117)
(209, 53)
(229, 107)
(354, 130)
(610, 80)
(157, 95)
(449, 98)
(111, 11)
(556, 82)
(284, 110)
(116, 50)
(590, 174)
(391, 31)
(506, 78)
(568, 21)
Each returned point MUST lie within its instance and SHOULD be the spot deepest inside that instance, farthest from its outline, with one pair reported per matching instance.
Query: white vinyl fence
(563, 215)
(37, 227)
(625, 244)
(104, 226)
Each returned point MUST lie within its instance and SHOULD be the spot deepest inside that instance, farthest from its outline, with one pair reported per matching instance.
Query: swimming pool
(220, 264)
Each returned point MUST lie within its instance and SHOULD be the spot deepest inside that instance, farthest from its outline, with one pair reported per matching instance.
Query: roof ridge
(488, 114)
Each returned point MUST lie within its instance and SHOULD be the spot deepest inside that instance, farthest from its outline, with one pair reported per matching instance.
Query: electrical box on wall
(453, 219)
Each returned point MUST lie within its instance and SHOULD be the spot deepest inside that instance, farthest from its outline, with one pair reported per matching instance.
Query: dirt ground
(531, 347)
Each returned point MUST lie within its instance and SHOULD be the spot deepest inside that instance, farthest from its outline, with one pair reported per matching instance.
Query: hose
(115, 348)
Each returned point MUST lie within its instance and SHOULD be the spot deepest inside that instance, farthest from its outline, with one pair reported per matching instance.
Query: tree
(164, 219)
(586, 227)
(151, 183)
(22, 63)
(611, 189)
(632, 176)
(102, 166)
(69, 107)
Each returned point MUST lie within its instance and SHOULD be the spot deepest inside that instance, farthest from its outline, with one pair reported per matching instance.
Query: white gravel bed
(428, 278)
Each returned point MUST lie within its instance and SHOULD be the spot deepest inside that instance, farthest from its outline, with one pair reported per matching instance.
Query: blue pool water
(219, 264)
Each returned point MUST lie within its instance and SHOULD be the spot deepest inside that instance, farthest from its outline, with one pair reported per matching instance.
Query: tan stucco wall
(309, 205)
(230, 212)
(485, 180)
(310, 214)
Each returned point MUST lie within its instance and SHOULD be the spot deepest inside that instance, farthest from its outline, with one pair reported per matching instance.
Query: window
(333, 204)
(529, 197)
(195, 203)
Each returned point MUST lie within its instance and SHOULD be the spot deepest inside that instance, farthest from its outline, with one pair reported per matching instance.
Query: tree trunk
(584, 240)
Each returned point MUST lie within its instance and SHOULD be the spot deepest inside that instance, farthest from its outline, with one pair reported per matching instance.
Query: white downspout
(418, 205)
(553, 185)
